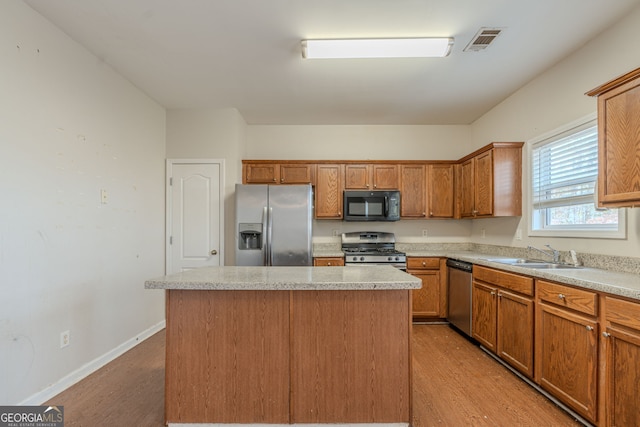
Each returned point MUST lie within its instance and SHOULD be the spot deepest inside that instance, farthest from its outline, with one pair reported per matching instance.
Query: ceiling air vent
(483, 39)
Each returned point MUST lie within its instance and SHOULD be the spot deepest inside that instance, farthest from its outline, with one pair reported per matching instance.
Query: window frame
(574, 231)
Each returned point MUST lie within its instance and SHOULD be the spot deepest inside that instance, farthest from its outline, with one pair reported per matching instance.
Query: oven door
(399, 265)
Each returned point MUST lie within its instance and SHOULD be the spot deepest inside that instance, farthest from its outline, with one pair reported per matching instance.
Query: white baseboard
(84, 371)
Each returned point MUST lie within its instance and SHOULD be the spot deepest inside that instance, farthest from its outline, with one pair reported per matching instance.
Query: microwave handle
(386, 206)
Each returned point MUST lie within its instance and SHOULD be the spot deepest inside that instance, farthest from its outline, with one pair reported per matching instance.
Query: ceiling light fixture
(377, 48)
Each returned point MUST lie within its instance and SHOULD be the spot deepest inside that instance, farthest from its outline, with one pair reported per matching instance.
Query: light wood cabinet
(441, 190)
(503, 316)
(413, 182)
(430, 301)
(261, 173)
(619, 141)
(567, 346)
(328, 262)
(296, 173)
(490, 181)
(621, 350)
(328, 191)
(371, 177)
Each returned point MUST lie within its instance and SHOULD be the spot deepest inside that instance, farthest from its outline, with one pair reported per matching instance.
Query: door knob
(214, 252)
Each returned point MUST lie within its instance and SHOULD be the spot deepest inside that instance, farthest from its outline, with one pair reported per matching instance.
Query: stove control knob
(390, 258)
(397, 258)
(355, 258)
(361, 258)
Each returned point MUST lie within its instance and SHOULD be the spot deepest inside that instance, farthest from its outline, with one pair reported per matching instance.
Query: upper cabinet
(328, 191)
(260, 172)
(371, 177)
(490, 181)
(619, 141)
(413, 183)
(440, 194)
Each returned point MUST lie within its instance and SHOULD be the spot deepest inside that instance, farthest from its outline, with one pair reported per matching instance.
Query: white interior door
(195, 214)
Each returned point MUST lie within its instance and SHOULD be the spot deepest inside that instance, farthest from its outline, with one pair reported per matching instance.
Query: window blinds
(565, 169)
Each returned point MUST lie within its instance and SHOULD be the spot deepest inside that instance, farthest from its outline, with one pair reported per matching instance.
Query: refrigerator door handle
(265, 247)
(270, 236)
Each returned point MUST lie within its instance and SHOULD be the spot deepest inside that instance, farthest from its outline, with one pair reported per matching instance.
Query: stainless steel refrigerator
(273, 224)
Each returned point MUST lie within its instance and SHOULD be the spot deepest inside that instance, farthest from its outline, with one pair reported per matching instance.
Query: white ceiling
(246, 53)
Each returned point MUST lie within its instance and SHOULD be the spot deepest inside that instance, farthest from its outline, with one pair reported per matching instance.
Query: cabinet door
(484, 184)
(515, 331)
(441, 190)
(484, 314)
(296, 174)
(466, 188)
(567, 358)
(385, 177)
(426, 301)
(356, 177)
(328, 192)
(619, 146)
(412, 190)
(621, 345)
(262, 173)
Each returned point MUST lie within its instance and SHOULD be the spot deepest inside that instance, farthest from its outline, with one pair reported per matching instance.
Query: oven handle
(386, 206)
(401, 267)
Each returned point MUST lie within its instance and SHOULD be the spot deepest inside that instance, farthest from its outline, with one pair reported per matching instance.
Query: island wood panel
(351, 358)
(227, 357)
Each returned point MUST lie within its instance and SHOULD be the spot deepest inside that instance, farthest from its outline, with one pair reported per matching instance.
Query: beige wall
(71, 127)
(556, 98)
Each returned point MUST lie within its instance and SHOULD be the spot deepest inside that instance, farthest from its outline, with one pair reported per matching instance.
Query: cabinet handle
(589, 328)
(499, 295)
(328, 264)
(606, 334)
(424, 264)
(493, 294)
(274, 180)
(561, 296)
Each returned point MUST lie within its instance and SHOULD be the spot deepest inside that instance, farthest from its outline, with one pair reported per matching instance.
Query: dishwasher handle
(459, 265)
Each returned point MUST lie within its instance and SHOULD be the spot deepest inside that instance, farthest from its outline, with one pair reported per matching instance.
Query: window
(564, 174)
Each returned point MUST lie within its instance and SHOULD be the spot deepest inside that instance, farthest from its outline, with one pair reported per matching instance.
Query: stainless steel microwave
(371, 205)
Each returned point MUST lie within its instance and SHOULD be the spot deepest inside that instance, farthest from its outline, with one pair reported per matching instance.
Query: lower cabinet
(621, 344)
(430, 301)
(503, 316)
(328, 262)
(567, 346)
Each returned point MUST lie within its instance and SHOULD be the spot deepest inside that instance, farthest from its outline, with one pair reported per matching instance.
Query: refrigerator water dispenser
(250, 236)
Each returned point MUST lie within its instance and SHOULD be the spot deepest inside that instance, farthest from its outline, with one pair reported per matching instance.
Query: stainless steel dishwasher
(460, 291)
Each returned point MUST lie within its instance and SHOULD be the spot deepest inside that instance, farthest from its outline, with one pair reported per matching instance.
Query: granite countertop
(607, 279)
(287, 278)
(616, 283)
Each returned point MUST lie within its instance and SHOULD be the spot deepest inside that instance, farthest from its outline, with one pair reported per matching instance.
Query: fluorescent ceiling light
(376, 48)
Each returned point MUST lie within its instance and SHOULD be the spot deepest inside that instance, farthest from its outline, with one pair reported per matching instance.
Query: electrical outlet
(483, 233)
(336, 232)
(104, 197)
(425, 233)
(65, 339)
(518, 234)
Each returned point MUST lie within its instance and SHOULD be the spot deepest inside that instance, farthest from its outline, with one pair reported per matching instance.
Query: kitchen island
(288, 345)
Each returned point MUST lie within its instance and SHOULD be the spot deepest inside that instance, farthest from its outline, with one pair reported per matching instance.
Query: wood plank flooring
(454, 384)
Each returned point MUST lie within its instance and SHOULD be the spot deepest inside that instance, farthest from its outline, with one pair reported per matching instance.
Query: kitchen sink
(531, 263)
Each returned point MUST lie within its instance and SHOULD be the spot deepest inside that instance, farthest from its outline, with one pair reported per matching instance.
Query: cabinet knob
(561, 296)
(214, 252)
(589, 328)
(274, 180)
(424, 264)
(606, 334)
(493, 293)
(329, 264)
(430, 213)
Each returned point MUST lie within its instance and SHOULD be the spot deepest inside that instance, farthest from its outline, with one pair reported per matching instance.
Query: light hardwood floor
(454, 384)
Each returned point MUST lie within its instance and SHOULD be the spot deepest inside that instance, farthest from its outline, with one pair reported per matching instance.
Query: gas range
(372, 248)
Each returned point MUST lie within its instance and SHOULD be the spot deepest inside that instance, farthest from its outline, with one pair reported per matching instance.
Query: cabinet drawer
(514, 282)
(328, 262)
(565, 296)
(622, 312)
(417, 263)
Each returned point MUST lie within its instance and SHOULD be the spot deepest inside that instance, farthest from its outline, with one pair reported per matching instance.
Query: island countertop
(287, 278)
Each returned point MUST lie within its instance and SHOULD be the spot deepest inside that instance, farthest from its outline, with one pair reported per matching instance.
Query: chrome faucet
(555, 254)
